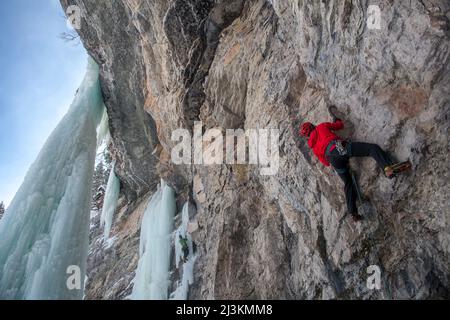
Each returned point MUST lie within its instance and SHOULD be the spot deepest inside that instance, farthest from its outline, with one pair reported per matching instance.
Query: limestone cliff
(273, 64)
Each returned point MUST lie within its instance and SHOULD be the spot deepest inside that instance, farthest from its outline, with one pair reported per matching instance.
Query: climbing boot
(389, 172)
(356, 217)
(392, 170)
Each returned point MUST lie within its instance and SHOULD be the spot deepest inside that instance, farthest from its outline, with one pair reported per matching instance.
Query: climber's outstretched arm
(337, 125)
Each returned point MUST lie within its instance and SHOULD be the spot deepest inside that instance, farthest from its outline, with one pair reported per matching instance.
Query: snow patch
(109, 243)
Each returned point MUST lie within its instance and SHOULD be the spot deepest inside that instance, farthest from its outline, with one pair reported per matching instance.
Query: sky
(39, 75)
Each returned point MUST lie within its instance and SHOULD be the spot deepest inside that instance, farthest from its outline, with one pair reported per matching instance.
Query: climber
(330, 148)
(184, 247)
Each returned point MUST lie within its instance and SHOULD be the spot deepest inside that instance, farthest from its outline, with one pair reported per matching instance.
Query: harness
(343, 148)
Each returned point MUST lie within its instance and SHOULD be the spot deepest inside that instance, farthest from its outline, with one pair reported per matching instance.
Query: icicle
(152, 275)
(110, 203)
(181, 293)
(103, 130)
(45, 231)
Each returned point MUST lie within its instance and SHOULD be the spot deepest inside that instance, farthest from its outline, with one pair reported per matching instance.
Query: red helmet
(306, 129)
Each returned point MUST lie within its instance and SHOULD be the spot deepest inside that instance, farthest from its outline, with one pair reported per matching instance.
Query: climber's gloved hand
(332, 110)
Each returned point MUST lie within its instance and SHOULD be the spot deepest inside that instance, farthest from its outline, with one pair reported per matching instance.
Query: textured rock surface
(273, 64)
(112, 40)
(112, 262)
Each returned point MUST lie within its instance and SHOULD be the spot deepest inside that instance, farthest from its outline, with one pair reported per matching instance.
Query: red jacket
(321, 137)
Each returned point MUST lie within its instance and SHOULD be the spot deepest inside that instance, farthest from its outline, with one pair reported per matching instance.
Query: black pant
(341, 165)
(186, 252)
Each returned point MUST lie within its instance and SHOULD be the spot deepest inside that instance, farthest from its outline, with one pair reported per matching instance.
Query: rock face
(112, 263)
(273, 64)
(115, 47)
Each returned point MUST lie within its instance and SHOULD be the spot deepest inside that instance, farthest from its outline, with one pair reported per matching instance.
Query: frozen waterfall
(110, 203)
(187, 279)
(44, 233)
(152, 276)
(103, 134)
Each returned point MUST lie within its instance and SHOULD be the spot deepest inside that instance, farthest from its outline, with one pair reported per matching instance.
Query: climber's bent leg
(362, 149)
(341, 165)
(350, 192)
